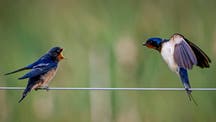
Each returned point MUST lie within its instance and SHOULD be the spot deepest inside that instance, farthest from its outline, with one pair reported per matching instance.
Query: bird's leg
(36, 87)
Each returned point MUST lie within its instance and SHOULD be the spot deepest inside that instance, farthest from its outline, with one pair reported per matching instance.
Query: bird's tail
(191, 98)
(185, 81)
(25, 92)
(18, 70)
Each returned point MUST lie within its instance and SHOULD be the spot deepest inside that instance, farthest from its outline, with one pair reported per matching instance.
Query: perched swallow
(180, 54)
(42, 71)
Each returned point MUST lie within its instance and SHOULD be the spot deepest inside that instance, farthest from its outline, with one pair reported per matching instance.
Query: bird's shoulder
(42, 60)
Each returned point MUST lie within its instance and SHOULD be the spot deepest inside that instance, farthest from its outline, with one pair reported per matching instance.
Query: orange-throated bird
(42, 71)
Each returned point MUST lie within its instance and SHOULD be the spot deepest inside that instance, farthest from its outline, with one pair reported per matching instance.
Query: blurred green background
(102, 41)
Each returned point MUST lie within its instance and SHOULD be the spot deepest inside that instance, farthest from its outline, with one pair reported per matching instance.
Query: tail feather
(191, 98)
(23, 96)
(18, 70)
(184, 78)
(26, 91)
(185, 81)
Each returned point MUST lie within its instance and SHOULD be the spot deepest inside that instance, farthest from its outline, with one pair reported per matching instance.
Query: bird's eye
(57, 51)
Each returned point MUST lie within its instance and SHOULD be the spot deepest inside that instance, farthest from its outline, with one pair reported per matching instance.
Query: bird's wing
(184, 55)
(202, 59)
(39, 69)
(44, 58)
(18, 70)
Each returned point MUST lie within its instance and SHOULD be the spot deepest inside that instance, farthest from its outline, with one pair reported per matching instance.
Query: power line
(113, 89)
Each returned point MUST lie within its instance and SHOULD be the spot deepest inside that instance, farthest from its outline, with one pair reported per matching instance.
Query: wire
(113, 89)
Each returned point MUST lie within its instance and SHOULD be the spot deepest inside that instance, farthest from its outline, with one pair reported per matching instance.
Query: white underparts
(167, 52)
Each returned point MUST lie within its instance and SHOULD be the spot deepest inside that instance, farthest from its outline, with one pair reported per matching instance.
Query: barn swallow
(180, 54)
(41, 71)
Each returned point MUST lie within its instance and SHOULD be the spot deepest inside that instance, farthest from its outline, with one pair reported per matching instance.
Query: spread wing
(184, 55)
(202, 59)
(39, 70)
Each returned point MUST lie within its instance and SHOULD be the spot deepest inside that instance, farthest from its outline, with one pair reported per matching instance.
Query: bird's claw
(46, 88)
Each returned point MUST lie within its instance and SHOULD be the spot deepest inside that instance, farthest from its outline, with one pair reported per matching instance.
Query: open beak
(60, 56)
(148, 45)
(144, 44)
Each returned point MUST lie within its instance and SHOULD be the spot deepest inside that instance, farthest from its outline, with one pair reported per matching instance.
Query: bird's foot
(46, 88)
(41, 88)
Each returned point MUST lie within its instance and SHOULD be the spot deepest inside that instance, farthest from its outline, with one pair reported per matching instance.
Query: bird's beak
(60, 56)
(148, 45)
(144, 44)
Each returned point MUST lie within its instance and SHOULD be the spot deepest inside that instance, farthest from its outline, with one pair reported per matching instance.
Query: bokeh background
(102, 41)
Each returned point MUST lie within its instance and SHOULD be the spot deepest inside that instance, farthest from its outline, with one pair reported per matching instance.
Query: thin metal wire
(113, 89)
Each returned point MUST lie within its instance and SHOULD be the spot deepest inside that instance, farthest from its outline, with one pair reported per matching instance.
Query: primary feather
(202, 59)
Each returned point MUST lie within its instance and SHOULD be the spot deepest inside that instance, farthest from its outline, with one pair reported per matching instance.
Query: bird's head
(56, 53)
(154, 43)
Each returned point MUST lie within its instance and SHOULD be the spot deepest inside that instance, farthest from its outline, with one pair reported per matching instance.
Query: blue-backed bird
(180, 54)
(41, 71)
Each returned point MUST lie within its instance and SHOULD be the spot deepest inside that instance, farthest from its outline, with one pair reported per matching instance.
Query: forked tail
(25, 92)
(185, 81)
(191, 98)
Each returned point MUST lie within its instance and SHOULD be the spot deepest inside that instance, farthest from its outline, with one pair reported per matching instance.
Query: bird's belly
(46, 78)
(167, 53)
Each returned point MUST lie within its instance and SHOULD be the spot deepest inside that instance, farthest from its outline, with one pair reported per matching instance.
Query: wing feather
(202, 59)
(184, 55)
(39, 70)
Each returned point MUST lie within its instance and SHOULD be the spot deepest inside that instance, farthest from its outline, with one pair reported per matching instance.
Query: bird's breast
(47, 77)
(167, 52)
